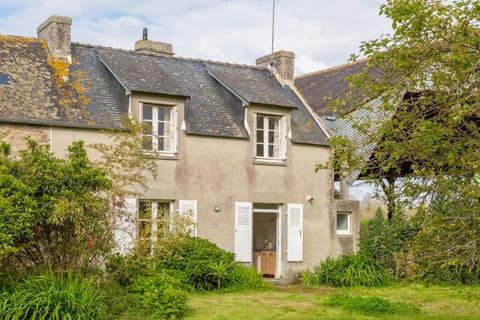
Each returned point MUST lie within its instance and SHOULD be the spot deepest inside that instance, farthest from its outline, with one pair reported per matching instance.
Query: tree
(60, 212)
(424, 114)
(52, 211)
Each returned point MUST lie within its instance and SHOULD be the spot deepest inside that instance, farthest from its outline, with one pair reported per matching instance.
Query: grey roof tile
(140, 72)
(251, 84)
(93, 96)
(321, 86)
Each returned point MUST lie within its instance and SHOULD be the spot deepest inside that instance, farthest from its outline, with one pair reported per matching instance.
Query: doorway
(266, 239)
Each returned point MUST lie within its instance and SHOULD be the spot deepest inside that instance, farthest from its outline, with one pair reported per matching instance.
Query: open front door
(243, 231)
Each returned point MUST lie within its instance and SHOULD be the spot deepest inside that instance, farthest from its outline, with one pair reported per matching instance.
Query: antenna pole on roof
(273, 31)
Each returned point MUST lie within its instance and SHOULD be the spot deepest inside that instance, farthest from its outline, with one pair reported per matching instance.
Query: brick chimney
(283, 63)
(153, 47)
(56, 31)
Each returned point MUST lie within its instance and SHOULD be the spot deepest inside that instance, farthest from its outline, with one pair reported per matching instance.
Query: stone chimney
(283, 63)
(153, 47)
(56, 31)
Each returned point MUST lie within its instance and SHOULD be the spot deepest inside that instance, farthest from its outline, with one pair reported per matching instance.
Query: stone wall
(15, 135)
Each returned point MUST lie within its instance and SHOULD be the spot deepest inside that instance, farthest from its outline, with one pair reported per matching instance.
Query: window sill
(161, 156)
(344, 234)
(270, 162)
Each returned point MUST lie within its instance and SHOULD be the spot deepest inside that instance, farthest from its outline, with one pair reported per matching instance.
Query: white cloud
(321, 33)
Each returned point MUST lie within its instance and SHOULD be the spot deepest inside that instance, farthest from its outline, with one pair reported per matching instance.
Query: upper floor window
(160, 127)
(270, 137)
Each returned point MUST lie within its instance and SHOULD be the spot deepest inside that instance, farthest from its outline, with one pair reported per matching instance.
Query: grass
(300, 303)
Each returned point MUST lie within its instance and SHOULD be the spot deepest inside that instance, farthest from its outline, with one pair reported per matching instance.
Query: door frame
(278, 240)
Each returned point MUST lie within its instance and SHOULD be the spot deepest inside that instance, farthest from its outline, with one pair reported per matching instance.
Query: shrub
(371, 305)
(124, 269)
(158, 296)
(347, 271)
(446, 247)
(197, 258)
(388, 241)
(244, 278)
(53, 296)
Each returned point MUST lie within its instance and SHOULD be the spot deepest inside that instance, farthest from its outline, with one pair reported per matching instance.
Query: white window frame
(348, 230)
(173, 146)
(153, 219)
(282, 138)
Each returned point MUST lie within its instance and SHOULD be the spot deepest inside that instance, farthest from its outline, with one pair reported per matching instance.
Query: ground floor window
(343, 223)
(152, 222)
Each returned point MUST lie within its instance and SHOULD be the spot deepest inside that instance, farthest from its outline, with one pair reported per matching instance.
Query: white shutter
(189, 207)
(243, 231)
(174, 130)
(295, 232)
(283, 137)
(254, 134)
(125, 226)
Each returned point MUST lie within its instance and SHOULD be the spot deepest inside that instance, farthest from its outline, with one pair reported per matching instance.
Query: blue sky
(322, 33)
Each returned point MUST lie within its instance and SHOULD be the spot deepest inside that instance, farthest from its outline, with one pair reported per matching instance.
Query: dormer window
(160, 128)
(270, 141)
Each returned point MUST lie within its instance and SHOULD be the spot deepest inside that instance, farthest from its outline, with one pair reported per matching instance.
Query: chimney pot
(145, 34)
(56, 31)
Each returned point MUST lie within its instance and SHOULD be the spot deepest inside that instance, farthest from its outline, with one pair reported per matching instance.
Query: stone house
(237, 144)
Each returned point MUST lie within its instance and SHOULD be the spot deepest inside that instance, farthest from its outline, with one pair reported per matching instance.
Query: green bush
(347, 271)
(388, 241)
(158, 296)
(446, 248)
(124, 269)
(371, 305)
(53, 296)
(244, 278)
(198, 258)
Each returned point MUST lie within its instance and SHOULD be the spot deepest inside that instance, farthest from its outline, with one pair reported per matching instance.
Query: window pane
(260, 122)
(167, 129)
(161, 113)
(260, 150)
(272, 137)
(276, 151)
(164, 143)
(147, 127)
(161, 128)
(147, 112)
(147, 142)
(270, 151)
(163, 210)
(342, 221)
(144, 229)
(144, 210)
(260, 136)
(272, 123)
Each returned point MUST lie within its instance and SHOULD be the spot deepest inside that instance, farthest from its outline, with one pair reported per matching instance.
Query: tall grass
(347, 271)
(53, 296)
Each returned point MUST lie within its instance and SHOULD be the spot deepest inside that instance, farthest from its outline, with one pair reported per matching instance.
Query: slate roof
(35, 91)
(241, 80)
(94, 96)
(318, 87)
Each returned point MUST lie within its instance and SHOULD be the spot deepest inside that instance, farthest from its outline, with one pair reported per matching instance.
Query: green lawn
(281, 303)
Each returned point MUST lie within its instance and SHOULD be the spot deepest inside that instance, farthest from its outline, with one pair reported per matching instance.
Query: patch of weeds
(371, 305)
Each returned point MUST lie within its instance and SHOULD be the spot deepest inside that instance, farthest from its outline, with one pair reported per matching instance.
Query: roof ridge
(337, 67)
(9, 37)
(207, 61)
